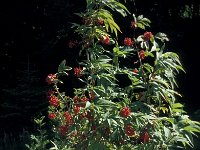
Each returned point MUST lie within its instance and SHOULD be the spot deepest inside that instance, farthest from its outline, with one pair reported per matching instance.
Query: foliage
(39, 141)
(104, 113)
(12, 141)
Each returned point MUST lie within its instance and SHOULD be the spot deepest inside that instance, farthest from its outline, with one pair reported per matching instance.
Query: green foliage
(39, 141)
(144, 114)
(141, 21)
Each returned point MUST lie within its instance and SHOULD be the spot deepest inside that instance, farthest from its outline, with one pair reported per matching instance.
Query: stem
(143, 75)
(57, 90)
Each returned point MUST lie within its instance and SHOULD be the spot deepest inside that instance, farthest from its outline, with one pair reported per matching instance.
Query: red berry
(142, 54)
(76, 110)
(144, 137)
(54, 101)
(51, 78)
(105, 40)
(68, 117)
(147, 36)
(83, 101)
(52, 116)
(78, 71)
(125, 112)
(63, 129)
(129, 130)
(128, 41)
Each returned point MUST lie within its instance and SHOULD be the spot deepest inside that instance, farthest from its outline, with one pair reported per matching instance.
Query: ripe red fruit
(78, 71)
(52, 116)
(125, 112)
(142, 54)
(51, 78)
(76, 110)
(128, 41)
(68, 117)
(89, 116)
(63, 129)
(144, 138)
(129, 130)
(54, 101)
(147, 36)
(105, 40)
(76, 99)
(82, 101)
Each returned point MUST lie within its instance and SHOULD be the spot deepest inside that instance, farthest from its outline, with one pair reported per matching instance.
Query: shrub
(119, 105)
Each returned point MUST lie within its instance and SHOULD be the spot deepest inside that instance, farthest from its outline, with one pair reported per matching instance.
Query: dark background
(34, 38)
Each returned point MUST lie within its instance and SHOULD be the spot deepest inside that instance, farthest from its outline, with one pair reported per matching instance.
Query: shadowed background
(34, 38)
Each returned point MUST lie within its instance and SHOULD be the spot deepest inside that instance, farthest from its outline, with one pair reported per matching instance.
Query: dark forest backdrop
(34, 38)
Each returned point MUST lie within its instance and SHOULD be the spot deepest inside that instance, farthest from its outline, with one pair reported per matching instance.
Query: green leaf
(62, 105)
(123, 51)
(160, 80)
(190, 128)
(177, 105)
(89, 3)
(116, 6)
(142, 22)
(95, 145)
(55, 146)
(109, 21)
(148, 67)
(164, 109)
(140, 25)
(104, 59)
(106, 103)
(88, 104)
(190, 139)
(162, 36)
(167, 132)
(149, 54)
(62, 66)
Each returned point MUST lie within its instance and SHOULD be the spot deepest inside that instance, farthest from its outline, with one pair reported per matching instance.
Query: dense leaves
(144, 114)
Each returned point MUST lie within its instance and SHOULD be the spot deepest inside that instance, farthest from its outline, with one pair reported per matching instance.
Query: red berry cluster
(125, 112)
(78, 71)
(51, 78)
(144, 137)
(147, 36)
(129, 130)
(128, 41)
(54, 101)
(142, 54)
(52, 116)
(105, 40)
(80, 102)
